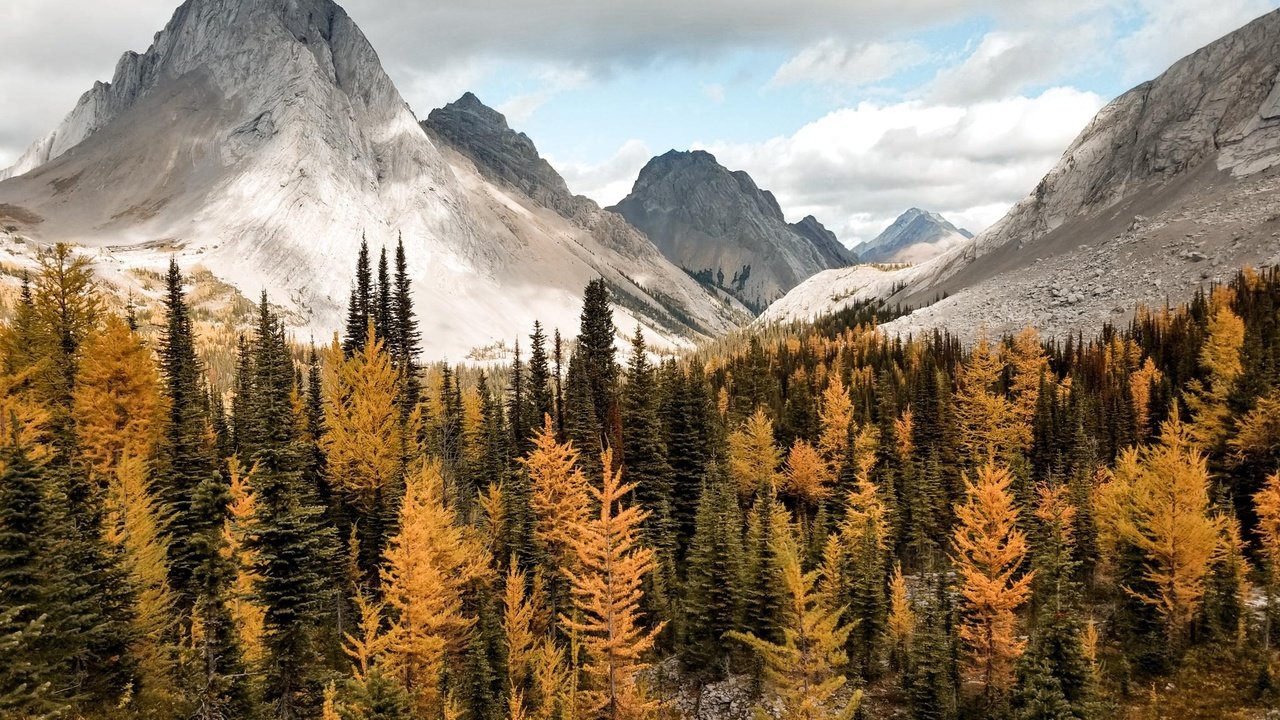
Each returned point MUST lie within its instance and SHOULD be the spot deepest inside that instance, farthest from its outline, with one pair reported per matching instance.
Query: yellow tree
(1156, 500)
(607, 592)
(1140, 384)
(989, 551)
(835, 418)
(363, 442)
(118, 401)
(249, 617)
(901, 626)
(753, 455)
(989, 428)
(428, 565)
(135, 523)
(1220, 359)
(560, 501)
(1030, 366)
(803, 670)
(808, 475)
(1267, 505)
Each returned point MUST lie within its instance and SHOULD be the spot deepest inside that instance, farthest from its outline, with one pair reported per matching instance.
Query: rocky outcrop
(507, 156)
(916, 236)
(261, 139)
(721, 226)
(824, 240)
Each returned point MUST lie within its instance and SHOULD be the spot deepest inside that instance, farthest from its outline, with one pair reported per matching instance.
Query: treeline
(860, 524)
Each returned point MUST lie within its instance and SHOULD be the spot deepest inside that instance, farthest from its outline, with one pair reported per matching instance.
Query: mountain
(1170, 188)
(916, 236)
(260, 139)
(718, 224)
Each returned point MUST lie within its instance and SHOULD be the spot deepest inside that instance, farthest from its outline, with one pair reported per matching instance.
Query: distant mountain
(917, 235)
(719, 225)
(1172, 187)
(261, 139)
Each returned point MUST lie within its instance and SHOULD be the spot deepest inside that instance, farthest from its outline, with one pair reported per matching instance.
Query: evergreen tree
(381, 311)
(362, 304)
(598, 364)
(186, 459)
(218, 684)
(714, 588)
(403, 331)
(645, 454)
(540, 401)
(804, 669)
(293, 546)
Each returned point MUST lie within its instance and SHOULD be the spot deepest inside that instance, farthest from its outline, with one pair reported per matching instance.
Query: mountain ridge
(270, 179)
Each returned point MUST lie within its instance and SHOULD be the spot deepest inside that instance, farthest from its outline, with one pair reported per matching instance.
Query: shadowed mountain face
(917, 235)
(719, 225)
(1171, 187)
(260, 139)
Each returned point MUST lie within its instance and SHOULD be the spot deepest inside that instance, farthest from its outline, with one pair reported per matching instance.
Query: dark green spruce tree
(361, 306)
(293, 543)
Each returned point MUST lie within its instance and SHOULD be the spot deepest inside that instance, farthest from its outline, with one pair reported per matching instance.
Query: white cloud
(857, 168)
(714, 92)
(553, 81)
(1006, 62)
(609, 181)
(1173, 28)
(832, 62)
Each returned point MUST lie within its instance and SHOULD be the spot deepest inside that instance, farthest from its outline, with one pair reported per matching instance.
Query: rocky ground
(1157, 259)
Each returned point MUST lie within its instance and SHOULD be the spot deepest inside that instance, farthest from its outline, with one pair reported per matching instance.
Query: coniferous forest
(813, 521)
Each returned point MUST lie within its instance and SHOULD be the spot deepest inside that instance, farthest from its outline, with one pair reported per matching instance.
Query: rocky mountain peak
(482, 133)
(915, 236)
(720, 226)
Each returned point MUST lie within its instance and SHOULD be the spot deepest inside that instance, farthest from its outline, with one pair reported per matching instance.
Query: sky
(849, 110)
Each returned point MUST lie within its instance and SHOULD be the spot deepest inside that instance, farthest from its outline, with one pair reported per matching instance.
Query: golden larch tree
(1030, 366)
(989, 550)
(249, 617)
(428, 565)
(835, 420)
(753, 455)
(901, 625)
(363, 442)
(118, 401)
(1221, 361)
(560, 496)
(1266, 503)
(135, 522)
(1141, 383)
(988, 424)
(607, 591)
(803, 671)
(808, 475)
(1156, 499)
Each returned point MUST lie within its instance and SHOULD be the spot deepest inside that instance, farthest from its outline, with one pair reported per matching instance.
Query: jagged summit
(719, 224)
(261, 139)
(917, 235)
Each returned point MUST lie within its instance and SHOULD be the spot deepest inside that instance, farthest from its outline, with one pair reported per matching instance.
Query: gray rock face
(824, 240)
(917, 235)
(260, 139)
(482, 133)
(719, 224)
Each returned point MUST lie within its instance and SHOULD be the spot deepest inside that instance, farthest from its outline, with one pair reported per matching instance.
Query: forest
(829, 521)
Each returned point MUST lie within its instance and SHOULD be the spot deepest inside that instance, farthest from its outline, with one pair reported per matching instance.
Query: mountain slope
(719, 224)
(260, 139)
(916, 236)
(1172, 186)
